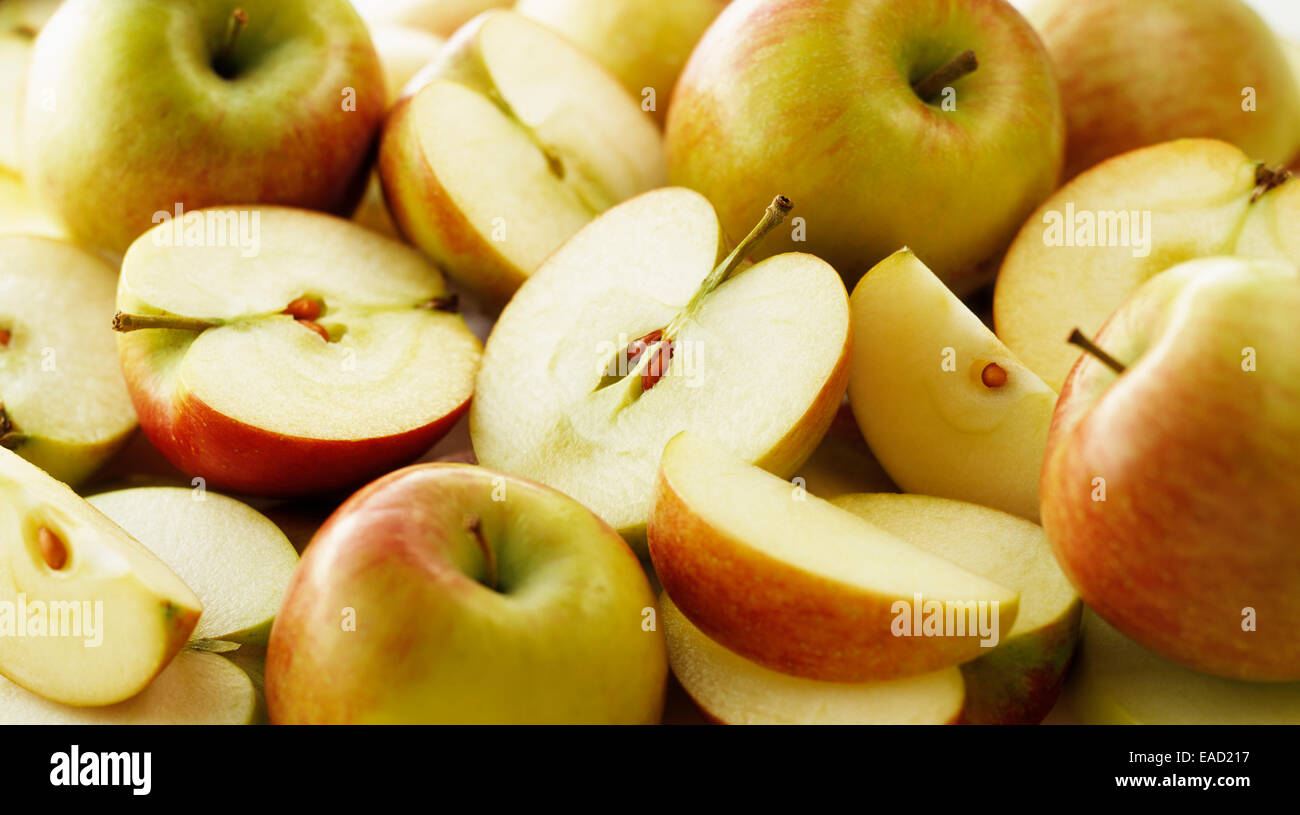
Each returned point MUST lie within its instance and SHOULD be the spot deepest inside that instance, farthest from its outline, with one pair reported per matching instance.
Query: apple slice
(732, 690)
(63, 403)
(1117, 681)
(945, 407)
(843, 463)
(1018, 682)
(308, 414)
(125, 613)
(195, 688)
(19, 212)
(521, 140)
(566, 400)
(234, 558)
(797, 585)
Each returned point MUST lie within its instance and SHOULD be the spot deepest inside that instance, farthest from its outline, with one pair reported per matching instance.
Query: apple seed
(53, 550)
(993, 375)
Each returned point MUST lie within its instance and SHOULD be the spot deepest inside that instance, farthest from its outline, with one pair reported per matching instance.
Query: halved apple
(732, 690)
(566, 397)
(945, 407)
(310, 359)
(520, 141)
(63, 403)
(120, 613)
(1017, 682)
(796, 584)
(1117, 681)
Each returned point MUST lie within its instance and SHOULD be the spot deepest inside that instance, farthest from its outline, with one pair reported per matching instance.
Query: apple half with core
(448, 593)
(63, 403)
(135, 107)
(945, 407)
(732, 690)
(88, 616)
(1018, 681)
(316, 357)
(636, 330)
(518, 140)
(1173, 465)
(797, 585)
(934, 124)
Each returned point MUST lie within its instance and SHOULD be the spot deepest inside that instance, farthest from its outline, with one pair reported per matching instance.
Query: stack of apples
(479, 361)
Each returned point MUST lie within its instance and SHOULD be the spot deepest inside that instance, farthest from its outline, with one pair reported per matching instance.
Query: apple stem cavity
(53, 550)
(932, 85)
(1077, 338)
(443, 302)
(1266, 178)
(474, 525)
(223, 63)
(136, 322)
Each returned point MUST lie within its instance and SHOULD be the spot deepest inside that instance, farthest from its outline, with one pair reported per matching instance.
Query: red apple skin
(237, 457)
(432, 644)
(1022, 679)
(1201, 462)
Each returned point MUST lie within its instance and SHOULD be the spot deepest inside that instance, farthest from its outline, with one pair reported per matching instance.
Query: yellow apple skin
(1134, 74)
(645, 43)
(559, 636)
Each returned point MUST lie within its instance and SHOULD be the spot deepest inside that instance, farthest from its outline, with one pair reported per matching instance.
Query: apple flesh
(564, 401)
(873, 165)
(66, 565)
(1019, 681)
(1136, 74)
(365, 376)
(1202, 570)
(287, 114)
(63, 403)
(795, 584)
(517, 140)
(437, 17)
(475, 598)
(843, 463)
(733, 690)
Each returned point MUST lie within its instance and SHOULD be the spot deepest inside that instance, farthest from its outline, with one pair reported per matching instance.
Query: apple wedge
(63, 403)
(1117, 681)
(347, 358)
(1123, 221)
(796, 584)
(568, 398)
(195, 688)
(945, 407)
(1019, 681)
(119, 612)
(520, 141)
(234, 558)
(732, 690)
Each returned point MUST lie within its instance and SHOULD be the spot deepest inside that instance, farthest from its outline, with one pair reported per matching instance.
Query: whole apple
(136, 107)
(933, 124)
(447, 593)
(1169, 489)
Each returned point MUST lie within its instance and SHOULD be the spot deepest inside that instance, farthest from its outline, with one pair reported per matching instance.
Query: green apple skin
(1124, 87)
(559, 640)
(813, 98)
(1201, 461)
(126, 116)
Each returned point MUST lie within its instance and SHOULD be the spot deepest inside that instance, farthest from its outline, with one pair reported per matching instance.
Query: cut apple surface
(1118, 224)
(120, 613)
(733, 690)
(195, 688)
(799, 585)
(63, 403)
(234, 558)
(562, 397)
(519, 141)
(324, 357)
(843, 463)
(945, 407)
(1117, 681)
(1019, 680)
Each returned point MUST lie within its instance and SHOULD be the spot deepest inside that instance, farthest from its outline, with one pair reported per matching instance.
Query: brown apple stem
(443, 302)
(957, 67)
(1077, 338)
(136, 322)
(1266, 178)
(475, 527)
(238, 19)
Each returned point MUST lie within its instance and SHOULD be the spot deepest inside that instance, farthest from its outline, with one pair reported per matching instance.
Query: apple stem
(957, 67)
(1077, 338)
(475, 527)
(443, 302)
(135, 322)
(238, 19)
(1266, 178)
